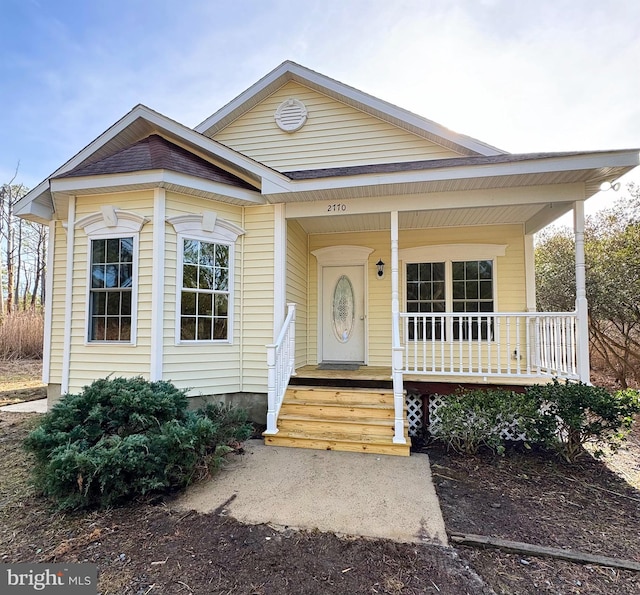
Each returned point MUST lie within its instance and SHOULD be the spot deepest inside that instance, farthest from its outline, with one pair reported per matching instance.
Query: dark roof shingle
(156, 152)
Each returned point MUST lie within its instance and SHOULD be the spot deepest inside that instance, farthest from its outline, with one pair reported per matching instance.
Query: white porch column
(68, 304)
(530, 272)
(157, 284)
(279, 268)
(582, 307)
(396, 356)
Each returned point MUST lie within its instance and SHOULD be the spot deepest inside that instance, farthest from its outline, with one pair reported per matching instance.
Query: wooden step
(386, 447)
(335, 418)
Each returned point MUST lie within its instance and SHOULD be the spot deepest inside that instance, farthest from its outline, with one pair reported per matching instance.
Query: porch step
(345, 419)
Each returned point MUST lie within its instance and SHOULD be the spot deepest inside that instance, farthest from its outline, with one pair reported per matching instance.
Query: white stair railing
(281, 366)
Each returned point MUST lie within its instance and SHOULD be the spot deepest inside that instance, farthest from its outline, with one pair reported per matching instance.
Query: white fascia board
(35, 211)
(291, 71)
(534, 166)
(158, 177)
(24, 206)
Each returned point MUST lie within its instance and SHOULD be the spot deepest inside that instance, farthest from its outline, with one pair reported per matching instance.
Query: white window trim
(110, 223)
(449, 253)
(132, 342)
(205, 227)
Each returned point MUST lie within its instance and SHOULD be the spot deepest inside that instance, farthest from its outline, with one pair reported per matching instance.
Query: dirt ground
(151, 547)
(20, 381)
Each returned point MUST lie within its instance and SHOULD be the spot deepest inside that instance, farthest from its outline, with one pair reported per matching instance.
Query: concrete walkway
(38, 406)
(340, 492)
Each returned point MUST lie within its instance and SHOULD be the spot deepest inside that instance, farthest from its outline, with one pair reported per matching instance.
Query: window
(458, 286)
(204, 295)
(110, 293)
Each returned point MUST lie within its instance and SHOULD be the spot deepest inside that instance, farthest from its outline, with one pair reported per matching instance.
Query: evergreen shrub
(469, 419)
(574, 413)
(126, 437)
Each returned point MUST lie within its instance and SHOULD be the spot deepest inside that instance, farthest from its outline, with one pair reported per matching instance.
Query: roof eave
(603, 165)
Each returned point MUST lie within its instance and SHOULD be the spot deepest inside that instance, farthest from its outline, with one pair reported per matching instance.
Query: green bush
(575, 413)
(125, 437)
(469, 419)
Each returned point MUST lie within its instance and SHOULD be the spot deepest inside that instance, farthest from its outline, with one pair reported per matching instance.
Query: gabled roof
(290, 71)
(137, 124)
(156, 152)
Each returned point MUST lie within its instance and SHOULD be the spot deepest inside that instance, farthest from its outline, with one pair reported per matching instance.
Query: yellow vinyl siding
(334, 135)
(89, 361)
(57, 305)
(297, 276)
(258, 295)
(208, 368)
(509, 276)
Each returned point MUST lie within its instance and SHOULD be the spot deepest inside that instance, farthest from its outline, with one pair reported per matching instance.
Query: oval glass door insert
(343, 310)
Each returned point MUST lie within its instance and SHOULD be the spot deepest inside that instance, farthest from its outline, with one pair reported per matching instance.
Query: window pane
(187, 329)
(126, 250)
(113, 303)
(111, 275)
(412, 291)
(472, 290)
(458, 290)
(412, 307)
(190, 276)
(125, 307)
(486, 290)
(425, 291)
(97, 276)
(486, 269)
(205, 307)
(222, 256)
(188, 303)
(204, 329)
(471, 269)
(412, 272)
(125, 329)
(205, 280)
(220, 328)
(438, 271)
(207, 254)
(222, 279)
(96, 332)
(190, 253)
(98, 251)
(222, 305)
(438, 290)
(126, 275)
(425, 271)
(98, 303)
(112, 332)
(113, 250)
(458, 271)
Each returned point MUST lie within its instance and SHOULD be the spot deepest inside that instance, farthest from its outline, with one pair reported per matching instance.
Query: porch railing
(490, 344)
(281, 366)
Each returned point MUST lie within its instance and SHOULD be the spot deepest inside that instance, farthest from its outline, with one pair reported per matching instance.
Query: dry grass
(20, 374)
(21, 335)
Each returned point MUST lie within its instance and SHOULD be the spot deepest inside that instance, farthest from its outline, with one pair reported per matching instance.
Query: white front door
(342, 314)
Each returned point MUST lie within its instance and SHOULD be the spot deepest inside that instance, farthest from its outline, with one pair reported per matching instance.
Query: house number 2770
(336, 208)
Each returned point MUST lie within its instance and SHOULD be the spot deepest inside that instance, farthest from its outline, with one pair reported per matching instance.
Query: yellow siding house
(309, 252)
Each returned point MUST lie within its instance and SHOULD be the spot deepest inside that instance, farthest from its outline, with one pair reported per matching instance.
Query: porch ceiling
(511, 214)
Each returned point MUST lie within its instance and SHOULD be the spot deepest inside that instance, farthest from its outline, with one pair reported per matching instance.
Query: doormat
(346, 367)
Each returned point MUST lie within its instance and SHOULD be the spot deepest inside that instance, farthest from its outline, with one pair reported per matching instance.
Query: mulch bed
(153, 548)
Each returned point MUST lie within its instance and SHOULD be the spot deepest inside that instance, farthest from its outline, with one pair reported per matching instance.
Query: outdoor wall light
(380, 266)
(615, 186)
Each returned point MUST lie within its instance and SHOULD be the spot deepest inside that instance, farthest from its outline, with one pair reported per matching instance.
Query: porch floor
(380, 377)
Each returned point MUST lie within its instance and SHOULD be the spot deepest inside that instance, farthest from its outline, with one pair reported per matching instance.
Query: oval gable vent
(291, 115)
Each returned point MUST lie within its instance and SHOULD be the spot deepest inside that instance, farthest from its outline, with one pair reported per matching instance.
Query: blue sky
(549, 75)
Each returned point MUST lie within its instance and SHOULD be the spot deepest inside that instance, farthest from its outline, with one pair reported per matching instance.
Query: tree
(23, 246)
(612, 240)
